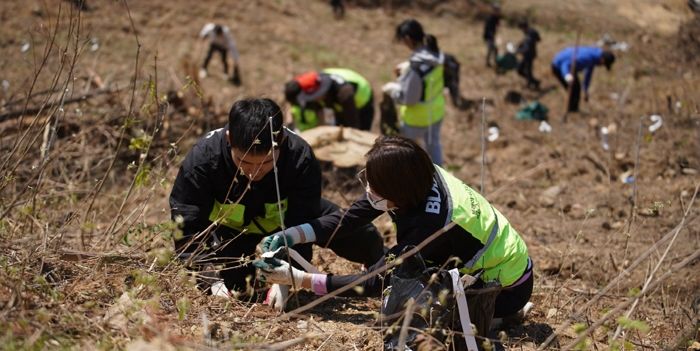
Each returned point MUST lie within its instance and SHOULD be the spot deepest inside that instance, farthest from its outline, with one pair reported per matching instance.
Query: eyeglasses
(362, 177)
(371, 196)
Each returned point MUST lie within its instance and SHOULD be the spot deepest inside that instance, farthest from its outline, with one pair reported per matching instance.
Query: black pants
(510, 300)
(491, 51)
(575, 95)
(363, 245)
(338, 8)
(525, 71)
(221, 50)
(366, 114)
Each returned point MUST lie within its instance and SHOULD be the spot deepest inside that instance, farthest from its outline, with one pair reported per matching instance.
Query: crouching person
(241, 183)
(421, 198)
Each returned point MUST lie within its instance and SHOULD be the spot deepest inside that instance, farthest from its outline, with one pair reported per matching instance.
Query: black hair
(410, 28)
(218, 29)
(413, 30)
(400, 171)
(249, 125)
(608, 59)
(291, 91)
(431, 43)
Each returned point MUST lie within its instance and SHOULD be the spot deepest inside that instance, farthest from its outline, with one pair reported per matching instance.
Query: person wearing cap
(344, 91)
(419, 88)
(528, 49)
(568, 62)
(247, 180)
(221, 41)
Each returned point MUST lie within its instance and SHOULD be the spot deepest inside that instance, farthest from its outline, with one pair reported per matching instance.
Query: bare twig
(626, 272)
(483, 145)
(407, 317)
(674, 269)
(371, 274)
(129, 113)
(658, 264)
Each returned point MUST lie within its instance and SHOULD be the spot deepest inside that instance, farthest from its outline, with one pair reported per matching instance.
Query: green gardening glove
(295, 235)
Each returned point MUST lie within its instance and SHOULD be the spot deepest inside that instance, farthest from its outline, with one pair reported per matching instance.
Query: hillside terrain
(112, 103)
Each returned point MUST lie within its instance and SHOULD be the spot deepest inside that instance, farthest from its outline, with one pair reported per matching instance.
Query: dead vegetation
(90, 141)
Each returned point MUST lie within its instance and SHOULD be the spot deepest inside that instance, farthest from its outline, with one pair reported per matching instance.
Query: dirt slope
(562, 190)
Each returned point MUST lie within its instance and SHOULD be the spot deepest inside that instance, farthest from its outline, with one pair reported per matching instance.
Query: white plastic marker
(493, 134)
(657, 122)
(463, 310)
(545, 127)
(604, 137)
(94, 44)
(296, 257)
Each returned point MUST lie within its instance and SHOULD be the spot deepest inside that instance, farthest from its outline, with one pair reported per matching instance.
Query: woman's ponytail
(431, 43)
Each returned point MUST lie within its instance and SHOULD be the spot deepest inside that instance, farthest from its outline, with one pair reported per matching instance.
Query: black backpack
(435, 310)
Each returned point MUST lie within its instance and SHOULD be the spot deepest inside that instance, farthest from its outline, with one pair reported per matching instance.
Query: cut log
(344, 147)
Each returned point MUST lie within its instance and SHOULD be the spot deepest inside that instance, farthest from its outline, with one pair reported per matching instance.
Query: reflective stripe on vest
(309, 121)
(431, 109)
(363, 92)
(504, 254)
(232, 216)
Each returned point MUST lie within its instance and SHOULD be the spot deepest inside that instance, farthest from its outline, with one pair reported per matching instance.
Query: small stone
(648, 212)
(616, 225)
(551, 313)
(593, 123)
(689, 171)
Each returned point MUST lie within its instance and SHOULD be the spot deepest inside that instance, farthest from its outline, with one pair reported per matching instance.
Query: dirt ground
(84, 216)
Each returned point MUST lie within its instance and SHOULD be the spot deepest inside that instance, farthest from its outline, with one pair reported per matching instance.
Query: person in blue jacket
(565, 67)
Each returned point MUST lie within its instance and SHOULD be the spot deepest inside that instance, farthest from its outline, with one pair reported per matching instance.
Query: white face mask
(381, 205)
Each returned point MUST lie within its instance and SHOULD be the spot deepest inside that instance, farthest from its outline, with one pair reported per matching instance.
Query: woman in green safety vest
(419, 90)
(421, 198)
(344, 91)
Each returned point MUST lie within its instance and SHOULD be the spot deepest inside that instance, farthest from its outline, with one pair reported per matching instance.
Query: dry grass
(85, 237)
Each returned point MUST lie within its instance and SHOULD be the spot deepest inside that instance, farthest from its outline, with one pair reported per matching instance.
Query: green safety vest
(310, 119)
(362, 96)
(363, 93)
(504, 255)
(231, 215)
(431, 109)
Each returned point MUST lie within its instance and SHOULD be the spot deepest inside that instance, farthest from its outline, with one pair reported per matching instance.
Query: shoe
(516, 318)
(202, 73)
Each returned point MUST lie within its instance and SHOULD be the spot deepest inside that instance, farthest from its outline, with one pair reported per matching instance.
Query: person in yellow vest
(419, 90)
(344, 91)
(246, 181)
(421, 198)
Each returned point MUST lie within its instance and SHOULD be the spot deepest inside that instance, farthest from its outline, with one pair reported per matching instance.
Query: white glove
(391, 87)
(569, 78)
(402, 68)
(219, 289)
(277, 297)
(276, 271)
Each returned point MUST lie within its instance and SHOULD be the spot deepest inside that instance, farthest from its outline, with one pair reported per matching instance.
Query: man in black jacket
(490, 29)
(528, 50)
(242, 182)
